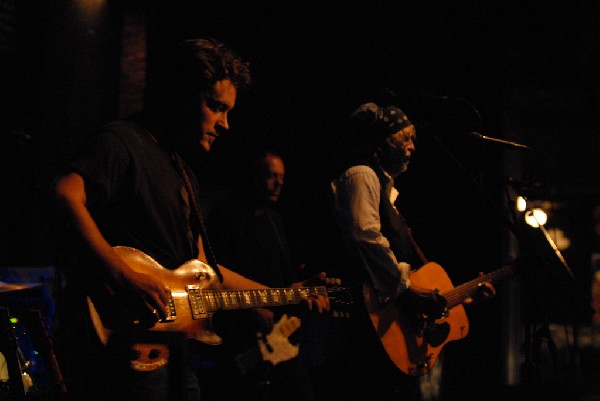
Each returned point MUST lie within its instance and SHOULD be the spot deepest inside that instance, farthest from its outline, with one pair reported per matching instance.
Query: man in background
(248, 231)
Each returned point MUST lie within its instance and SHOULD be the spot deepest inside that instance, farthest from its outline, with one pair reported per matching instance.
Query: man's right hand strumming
(428, 302)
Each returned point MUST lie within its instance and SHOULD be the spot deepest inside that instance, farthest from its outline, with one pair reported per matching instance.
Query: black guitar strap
(390, 208)
(411, 238)
(210, 255)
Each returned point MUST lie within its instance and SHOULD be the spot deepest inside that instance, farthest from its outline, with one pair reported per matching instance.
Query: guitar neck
(215, 300)
(459, 294)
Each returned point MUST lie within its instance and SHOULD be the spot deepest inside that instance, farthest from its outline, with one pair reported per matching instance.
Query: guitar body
(273, 347)
(414, 343)
(154, 356)
(193, 272)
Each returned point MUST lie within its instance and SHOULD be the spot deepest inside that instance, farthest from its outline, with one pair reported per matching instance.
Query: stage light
(521, 204)
(89, 13)
(536, 217)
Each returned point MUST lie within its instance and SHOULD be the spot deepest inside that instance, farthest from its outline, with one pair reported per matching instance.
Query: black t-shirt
(136, 194)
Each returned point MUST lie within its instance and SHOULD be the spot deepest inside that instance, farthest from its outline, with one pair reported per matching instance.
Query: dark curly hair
(192, 67)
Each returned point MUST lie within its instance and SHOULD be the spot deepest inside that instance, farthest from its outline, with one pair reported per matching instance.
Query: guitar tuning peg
(333, 281)
(341, 314)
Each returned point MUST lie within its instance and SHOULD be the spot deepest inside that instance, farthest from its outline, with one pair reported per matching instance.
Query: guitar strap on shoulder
(411, 238)
(409, 235)
(416, 246)
(210, 255)
(387, 184)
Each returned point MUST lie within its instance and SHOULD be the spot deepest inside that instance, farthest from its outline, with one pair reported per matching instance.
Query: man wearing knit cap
(382, 142)
(364, 196)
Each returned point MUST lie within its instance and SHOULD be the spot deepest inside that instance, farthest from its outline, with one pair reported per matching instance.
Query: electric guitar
(414, 341)
(273, 347)
(196, 295)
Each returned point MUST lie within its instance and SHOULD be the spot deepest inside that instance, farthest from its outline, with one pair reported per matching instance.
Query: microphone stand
(533, 341)
(515, 230)
(542, 335)
(389, 95)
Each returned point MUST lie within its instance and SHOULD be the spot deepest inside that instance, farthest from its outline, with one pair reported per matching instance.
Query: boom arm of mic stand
(582, 297)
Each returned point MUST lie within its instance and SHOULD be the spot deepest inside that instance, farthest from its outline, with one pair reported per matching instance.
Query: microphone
(497, 141)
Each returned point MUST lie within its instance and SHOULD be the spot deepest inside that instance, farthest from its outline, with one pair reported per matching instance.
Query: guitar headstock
(275, 346)
(340, 298)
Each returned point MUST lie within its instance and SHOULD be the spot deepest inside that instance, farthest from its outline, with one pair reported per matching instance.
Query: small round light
(536, 217)
(521, 204)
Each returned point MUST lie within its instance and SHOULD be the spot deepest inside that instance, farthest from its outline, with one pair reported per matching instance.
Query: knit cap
(384, 121)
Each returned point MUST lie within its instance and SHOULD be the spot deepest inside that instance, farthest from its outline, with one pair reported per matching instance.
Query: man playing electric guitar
(132, 188)
(381, 143)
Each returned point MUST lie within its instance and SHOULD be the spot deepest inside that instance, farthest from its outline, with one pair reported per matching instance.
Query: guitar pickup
(196, 304)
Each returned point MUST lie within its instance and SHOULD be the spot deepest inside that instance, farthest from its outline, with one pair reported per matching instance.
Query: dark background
(522, 71)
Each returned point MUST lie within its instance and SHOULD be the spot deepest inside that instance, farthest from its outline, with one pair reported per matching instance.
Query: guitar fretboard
(459, 294)
(208, 301)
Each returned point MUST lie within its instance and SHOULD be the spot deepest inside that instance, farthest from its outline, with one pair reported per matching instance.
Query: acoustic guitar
(414, 341)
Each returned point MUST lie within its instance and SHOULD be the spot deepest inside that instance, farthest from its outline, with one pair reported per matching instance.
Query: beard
(395, 163)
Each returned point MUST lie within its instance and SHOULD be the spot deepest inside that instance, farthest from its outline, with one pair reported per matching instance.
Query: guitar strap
(411, 238)
(210, 255)
(387, 186)
(407, 229)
